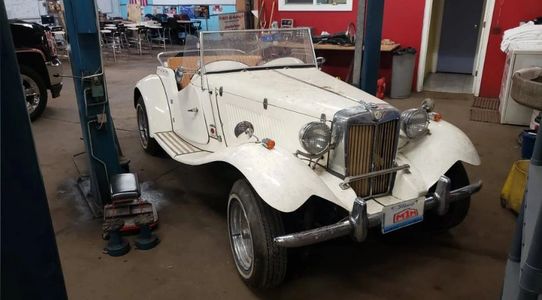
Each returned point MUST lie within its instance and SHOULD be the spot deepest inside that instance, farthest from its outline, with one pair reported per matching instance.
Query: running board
(174, 143)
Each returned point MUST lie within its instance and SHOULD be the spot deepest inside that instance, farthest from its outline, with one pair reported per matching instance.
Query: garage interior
(193, 259)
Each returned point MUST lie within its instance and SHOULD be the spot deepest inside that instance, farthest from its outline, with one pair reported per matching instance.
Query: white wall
(30, 10)
(110, 7)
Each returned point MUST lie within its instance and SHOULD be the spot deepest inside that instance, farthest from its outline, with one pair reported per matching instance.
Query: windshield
(256, 49)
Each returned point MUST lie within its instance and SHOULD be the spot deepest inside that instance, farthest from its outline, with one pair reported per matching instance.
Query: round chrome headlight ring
(414, 122)
(315, 137)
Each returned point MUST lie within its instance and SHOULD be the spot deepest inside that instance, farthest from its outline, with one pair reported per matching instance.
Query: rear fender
(152, 91)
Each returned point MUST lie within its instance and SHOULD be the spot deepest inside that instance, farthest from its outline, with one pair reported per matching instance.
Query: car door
(459, 36)
(189, 120)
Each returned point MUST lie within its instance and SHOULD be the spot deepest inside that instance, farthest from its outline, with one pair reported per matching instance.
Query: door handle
(194, 110)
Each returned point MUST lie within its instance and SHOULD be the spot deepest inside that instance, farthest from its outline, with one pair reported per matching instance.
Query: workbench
(340, 64)
(383, 47)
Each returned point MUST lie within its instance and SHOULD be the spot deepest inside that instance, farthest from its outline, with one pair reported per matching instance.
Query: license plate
(402, 214)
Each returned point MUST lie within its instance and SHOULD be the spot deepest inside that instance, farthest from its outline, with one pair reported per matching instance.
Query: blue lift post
(29, 255)
(115, 193)
(89, 80)
(371, 43)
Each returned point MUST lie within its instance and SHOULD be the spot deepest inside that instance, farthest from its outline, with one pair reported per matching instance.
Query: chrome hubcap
(142, 126)
(31, 93)
(240, 236)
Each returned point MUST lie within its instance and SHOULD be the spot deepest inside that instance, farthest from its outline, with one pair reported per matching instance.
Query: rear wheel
(252, 226)
(147, 142)
(35, 92)
(458, 210)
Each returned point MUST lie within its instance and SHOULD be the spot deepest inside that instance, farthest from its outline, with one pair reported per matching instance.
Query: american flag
(140, 2)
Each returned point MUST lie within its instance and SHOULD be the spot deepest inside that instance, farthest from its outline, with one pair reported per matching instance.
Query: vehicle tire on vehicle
(147, 142)
(458, 210)
(252, 226)
(35, 91)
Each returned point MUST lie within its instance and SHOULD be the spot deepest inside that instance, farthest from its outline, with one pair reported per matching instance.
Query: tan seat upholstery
(190, 63)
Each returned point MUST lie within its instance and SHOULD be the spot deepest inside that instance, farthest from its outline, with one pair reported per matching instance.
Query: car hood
(304, 90)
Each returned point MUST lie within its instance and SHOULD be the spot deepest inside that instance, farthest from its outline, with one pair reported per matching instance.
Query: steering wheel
(284, 61)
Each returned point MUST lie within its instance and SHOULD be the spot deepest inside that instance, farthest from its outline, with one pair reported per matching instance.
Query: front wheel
(252, 225)
(458, 210)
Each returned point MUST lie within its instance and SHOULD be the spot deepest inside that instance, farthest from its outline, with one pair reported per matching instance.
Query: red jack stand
(127, 205)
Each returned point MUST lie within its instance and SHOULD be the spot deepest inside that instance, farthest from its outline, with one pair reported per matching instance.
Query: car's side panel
(432, 155)
(269, 121)
(156, 102)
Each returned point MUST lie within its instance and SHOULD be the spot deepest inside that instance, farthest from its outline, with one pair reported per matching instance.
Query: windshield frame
(203, 50)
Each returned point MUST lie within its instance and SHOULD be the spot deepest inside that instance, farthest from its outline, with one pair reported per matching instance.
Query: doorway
(454, 41)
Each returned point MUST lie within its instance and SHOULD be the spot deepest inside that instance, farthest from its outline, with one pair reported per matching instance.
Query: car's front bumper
(360, 221)
(54, 69)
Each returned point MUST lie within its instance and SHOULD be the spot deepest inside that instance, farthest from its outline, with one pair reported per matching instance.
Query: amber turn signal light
(268, 143)
(435, 116)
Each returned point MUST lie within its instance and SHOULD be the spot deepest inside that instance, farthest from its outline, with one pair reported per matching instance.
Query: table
(383, 47)
(189, 23)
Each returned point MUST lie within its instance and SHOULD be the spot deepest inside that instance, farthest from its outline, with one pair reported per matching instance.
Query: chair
(109, 41)
(160, 36)
(122, 36)
(136, 37)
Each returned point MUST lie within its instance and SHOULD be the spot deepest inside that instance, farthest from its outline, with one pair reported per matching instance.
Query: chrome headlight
(414, 122)
(315, 138)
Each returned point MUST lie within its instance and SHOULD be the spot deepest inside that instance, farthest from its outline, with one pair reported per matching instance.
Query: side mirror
(179, 73)
(320, 61)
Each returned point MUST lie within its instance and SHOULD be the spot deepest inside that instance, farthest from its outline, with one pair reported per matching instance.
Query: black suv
(40, 67)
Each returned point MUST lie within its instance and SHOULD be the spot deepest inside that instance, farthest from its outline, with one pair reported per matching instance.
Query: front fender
(280, 179)
(154, 96)
(432, 155)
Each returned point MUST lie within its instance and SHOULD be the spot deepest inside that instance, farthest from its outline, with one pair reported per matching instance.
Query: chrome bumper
(359, 221)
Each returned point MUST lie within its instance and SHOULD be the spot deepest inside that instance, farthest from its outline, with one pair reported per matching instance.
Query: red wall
(403, 21)
(507, 14)
(330, 21)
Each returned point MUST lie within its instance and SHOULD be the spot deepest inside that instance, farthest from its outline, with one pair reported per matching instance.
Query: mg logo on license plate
(402, 214)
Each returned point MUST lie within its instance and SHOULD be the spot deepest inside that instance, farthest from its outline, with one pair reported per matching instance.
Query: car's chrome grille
(371, 148)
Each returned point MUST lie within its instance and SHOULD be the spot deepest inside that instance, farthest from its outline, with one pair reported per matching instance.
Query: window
(315, 5)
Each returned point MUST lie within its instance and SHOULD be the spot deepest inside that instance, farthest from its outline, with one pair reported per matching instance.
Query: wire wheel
(240, 236)
(31, 93)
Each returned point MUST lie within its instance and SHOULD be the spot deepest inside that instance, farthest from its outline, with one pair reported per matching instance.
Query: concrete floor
(448, 83)
(194, 260)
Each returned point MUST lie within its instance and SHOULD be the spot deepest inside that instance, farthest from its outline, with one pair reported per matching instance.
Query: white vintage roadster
(316, 158)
